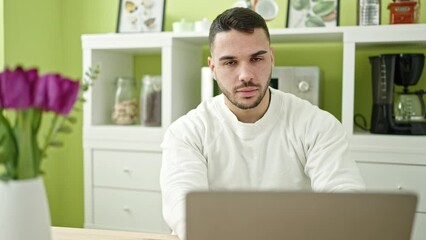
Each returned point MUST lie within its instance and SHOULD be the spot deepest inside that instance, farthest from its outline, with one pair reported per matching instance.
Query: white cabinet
(124, 191)
(400, 172)
(121, 163)
(387, 162)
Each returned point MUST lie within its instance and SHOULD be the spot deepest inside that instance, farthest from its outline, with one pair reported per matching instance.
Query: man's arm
(183, 170)
(328, 165)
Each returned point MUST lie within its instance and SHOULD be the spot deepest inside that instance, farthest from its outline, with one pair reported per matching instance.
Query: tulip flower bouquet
(24, 97)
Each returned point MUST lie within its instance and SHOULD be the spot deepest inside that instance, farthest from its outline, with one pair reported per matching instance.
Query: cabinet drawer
(124, 169)
(419, 230)
(396, 177)
(129, 210)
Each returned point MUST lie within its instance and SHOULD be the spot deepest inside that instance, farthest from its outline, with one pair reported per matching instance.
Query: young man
(251, 137)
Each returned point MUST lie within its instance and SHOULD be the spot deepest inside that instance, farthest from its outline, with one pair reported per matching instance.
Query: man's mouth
(247, 92)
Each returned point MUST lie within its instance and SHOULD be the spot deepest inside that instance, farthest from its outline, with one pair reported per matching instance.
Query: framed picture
(141, 16)
(312, 13)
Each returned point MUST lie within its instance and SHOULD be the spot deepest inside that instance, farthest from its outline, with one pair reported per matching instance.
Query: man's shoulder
(292, 103)
(204, 113)
(295, 107)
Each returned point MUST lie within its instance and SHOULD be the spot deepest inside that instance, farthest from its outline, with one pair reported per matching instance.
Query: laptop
(299, 216)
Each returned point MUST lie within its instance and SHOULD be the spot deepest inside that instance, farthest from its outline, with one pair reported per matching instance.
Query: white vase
(24, 210)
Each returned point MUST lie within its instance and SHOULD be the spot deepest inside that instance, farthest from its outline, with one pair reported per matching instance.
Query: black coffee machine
(396, 112)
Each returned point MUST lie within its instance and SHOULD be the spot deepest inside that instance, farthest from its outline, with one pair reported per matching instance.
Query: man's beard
(241, 105)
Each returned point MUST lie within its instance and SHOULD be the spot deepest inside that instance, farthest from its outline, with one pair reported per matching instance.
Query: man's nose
(246, 72)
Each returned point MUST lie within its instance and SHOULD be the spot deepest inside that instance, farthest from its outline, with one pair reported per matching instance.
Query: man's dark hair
(238, 18)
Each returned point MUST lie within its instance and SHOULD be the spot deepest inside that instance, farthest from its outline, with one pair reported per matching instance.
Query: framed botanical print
(141, 16)
(312, 13)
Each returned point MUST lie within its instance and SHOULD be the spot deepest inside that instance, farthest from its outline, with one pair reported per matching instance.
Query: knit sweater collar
(249, 130)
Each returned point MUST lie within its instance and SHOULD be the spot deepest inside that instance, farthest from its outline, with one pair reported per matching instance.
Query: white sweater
(294, 146)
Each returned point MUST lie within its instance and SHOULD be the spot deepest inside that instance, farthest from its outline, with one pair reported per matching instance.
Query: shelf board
(124, 133)
(303, 35)
(363, 35)
(386, 34)
(128, 42)
(388, 142)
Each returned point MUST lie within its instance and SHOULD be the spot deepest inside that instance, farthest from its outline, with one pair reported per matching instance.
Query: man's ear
(211, 66)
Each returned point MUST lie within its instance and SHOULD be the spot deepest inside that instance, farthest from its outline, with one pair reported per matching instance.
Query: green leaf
(324, 8)
(8, 145)
(71, 119)
(29, 153)
(300, 4)
(85, 87)
(5, 177)
(65, 129)
(56, 143)
(314, 21)
(91, 75)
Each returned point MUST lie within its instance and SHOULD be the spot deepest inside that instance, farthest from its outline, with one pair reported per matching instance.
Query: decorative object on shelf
(403, 12)
(406, 115)
(183, 26)
(141, 16)
(197, 26)
(268, 9)
(242, 3)
(202, 25)
(24, 98)
(151, 101)
(312, 13)
(125, 111)
(369, 12)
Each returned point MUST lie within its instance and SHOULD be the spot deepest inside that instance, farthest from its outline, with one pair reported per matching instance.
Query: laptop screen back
(299, 216)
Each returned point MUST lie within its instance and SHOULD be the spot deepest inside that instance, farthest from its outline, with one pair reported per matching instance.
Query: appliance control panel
(300, 81)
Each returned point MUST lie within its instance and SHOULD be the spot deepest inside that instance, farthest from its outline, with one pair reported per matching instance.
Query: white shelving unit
(122, 162)
(387, 162)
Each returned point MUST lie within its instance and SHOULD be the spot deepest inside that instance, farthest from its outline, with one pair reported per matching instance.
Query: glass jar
(125, 110)
(368, 12)
(151, 101)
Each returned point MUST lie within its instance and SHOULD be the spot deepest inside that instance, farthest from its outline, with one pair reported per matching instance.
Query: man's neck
(251, 115)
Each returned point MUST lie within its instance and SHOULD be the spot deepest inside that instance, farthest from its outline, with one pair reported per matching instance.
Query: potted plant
(25, 96)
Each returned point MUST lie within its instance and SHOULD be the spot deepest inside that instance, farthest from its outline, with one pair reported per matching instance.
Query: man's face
(242, 65)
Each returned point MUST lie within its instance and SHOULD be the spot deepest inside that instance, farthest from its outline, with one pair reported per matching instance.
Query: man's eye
(257, 59)
(229, 63)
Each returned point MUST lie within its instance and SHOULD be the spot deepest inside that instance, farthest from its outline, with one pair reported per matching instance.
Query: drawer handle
(126, 170)
(126, 209)
(399, 187)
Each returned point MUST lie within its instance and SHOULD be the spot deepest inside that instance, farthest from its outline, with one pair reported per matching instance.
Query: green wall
(46, 34)
(1, 34)
(32, 38)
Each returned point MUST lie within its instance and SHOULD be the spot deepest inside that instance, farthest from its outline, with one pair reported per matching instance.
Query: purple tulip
(30, 94)
(22, 89)
(70, 90)
(16, 88)
(56, 93)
